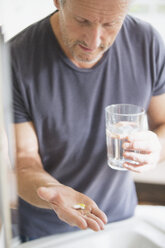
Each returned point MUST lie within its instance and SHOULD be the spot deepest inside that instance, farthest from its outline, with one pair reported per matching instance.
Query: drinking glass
(121, 121)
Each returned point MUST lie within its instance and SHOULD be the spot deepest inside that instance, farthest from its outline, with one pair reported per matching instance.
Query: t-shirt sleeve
(158, 66)
(20, 112)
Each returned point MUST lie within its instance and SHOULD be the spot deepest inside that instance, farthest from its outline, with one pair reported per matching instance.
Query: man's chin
(88, 59)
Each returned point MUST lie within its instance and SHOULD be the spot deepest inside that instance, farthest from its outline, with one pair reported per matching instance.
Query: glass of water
(121, 121)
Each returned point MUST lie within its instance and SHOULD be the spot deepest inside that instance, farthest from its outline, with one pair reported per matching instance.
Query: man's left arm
(156, 119)
(147, 148)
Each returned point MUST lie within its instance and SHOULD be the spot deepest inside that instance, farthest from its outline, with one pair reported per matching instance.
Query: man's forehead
(99, 10)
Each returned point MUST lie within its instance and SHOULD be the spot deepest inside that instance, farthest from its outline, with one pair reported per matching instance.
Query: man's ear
(57, 4)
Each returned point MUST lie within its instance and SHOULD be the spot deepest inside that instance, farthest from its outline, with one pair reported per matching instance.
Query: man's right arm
(42, 190)
(30, 172)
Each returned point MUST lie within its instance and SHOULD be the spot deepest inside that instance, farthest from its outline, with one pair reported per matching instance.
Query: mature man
(66, 69)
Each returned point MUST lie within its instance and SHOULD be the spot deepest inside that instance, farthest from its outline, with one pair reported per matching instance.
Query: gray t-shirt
(67, 106)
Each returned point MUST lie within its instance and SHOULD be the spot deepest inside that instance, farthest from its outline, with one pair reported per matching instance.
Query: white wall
(18, 14)
(2, 240)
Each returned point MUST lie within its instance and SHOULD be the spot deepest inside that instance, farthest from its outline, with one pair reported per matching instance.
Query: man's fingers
(138, 157)
(100, 214)
(142, 141)
(92, 223)
(142, 146)
(96, 224)
(72, 217)
(131, 168)
(141, 136)
(82, 219)
(91, 217)
(139, 169)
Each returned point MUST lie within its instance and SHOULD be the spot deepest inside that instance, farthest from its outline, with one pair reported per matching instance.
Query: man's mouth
(85, 48)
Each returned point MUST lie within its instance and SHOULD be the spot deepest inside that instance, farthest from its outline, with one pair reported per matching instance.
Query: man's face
(89, 27)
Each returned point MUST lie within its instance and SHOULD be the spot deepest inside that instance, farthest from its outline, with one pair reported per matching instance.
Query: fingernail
(126, 166)
(125, 145)
(126, 154)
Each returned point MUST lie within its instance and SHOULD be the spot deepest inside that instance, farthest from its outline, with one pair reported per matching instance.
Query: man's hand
(62, 200)
(143, 148)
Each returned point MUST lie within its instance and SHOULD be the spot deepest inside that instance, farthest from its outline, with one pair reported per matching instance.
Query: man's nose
(94, 37)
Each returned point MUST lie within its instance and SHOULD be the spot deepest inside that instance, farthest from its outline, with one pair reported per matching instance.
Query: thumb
(46, 194)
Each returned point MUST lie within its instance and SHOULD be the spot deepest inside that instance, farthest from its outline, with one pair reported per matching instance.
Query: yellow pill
(82, 205)
(79, 206)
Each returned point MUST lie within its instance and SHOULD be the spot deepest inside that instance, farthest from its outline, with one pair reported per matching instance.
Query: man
(66, 69)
